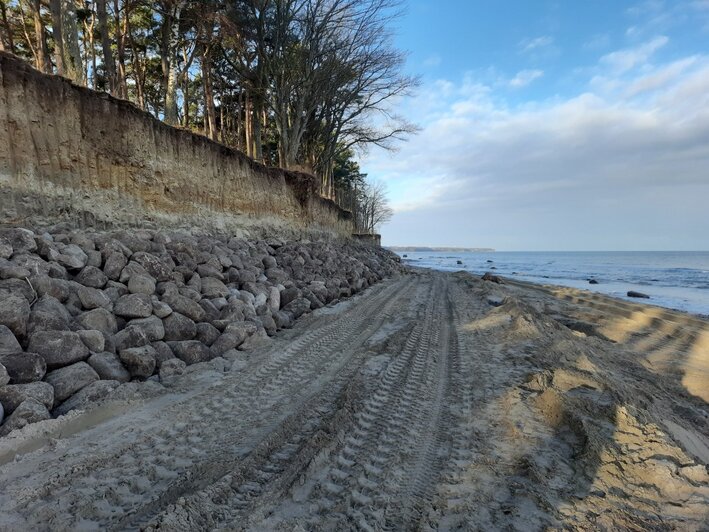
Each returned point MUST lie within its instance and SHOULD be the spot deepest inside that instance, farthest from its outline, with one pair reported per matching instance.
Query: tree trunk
(108, 63)
(6, 33)
(248, 126)
(121, 31)
(73, 66)
(210, 114)
(42, 50)
(55, 7)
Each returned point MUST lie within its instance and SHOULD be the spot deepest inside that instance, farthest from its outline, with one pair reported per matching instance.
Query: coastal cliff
(71, 154)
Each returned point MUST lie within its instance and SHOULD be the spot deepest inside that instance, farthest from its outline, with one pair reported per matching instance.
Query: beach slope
(430, 401)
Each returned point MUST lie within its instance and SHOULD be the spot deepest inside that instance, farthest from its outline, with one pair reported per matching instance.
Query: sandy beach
(432, 401)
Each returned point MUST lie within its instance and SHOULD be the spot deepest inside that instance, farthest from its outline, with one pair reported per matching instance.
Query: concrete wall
(69, 153)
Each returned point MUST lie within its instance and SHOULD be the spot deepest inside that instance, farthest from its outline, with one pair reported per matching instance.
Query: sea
(672, 279)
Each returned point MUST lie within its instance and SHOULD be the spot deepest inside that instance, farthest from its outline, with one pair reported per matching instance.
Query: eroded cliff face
(69, 153)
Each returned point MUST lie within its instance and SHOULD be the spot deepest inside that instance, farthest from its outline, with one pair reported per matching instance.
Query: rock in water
(592, 281)
(640, 295)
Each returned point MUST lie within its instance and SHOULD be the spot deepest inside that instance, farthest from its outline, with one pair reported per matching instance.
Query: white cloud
(624, 60)
(620, 165)
(525, 77)
(529, 45)
(432, 61)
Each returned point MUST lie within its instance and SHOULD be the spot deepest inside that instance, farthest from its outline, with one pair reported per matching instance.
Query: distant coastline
(450, 249)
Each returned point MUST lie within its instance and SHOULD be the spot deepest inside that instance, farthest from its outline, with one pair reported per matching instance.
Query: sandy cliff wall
(70, 153)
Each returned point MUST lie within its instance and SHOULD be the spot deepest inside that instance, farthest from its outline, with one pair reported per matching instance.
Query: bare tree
(374, 208)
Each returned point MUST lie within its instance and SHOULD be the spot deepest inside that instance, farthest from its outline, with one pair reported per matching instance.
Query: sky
(552, 125)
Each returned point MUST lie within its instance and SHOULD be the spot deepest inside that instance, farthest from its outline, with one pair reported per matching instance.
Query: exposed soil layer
(431, 401)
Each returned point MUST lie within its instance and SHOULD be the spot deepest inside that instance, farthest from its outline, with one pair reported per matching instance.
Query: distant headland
(448, 249)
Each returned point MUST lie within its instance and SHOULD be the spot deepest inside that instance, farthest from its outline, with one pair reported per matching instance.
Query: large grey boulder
(162, 352)
(87, 396)
(12, 395)
(109, 367)
(21, 240)
(24, 367)
(140, 361)
(178, 328)
(212, 287)
(4, 376)
(172, 368)
(58, 348)
(92, 298)
(298, 307)
(98, 319)
(8, 342)
(115, 262)
(156, 267)
(29, 411)
(140, 332)
(72, 257)
(14, 313)
(141, 284)
(191, 351)
(92, 277)
(70, 379)
(185, 306)
(45, 285)
(133, 306)
(233, 336)
(288, 295)
(6, 249)
(93, 340)
(207, 333)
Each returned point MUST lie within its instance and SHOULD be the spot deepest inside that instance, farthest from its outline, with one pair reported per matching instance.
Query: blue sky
(553, 125)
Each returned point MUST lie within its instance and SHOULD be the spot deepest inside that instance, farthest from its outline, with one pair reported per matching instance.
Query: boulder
(212, 287)
(98, 319)
(93, 340)
(9, 270)
(640, 295)
(592, 281)
(4, 376)
(140, 361)
(155, 266)
(162, 353)
(47, 286)
(288, 295)
(151, 329)
(269, 262)
(179, 328)
(19, 239)
(284, 320)
(297, 307)
(134, 306)
(172, 368)
(14, 313)
(12, 395)
(58, 348)
(72, 257)
(492, 278)
(92, 298)
(24, 367)
(6, 249)
(141, 284)
(207, 333)
(8, 342)
(29, 411)
(115, 262)
(109, 367)
(191, 351)
(160, 309)
(185, 306)
(70, 379)
(92, 277)
(255, 340)
(87, 396)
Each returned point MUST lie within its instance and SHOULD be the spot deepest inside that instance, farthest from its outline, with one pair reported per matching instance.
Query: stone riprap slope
(82, 313)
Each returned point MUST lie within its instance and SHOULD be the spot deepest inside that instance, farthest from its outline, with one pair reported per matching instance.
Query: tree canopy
(300, 84)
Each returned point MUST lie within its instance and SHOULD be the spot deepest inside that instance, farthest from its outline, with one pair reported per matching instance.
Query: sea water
(677, 280)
